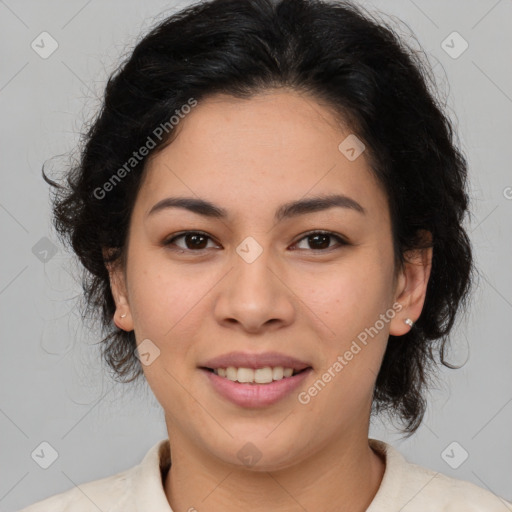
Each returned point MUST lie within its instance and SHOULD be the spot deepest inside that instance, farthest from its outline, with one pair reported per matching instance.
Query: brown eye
(321, 240)
(194, 241)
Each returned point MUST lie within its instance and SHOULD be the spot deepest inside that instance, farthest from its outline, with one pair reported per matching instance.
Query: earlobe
(123, 321)
(122, 316)
(411, 288)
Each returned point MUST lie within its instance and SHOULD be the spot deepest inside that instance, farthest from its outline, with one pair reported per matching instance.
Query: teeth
(259, 376)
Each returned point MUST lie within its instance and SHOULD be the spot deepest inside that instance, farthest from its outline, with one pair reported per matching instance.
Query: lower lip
(255, 395)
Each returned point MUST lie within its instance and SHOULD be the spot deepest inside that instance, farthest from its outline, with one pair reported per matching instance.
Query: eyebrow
(285, 211)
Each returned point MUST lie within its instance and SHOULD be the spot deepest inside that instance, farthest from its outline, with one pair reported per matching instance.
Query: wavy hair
(347, 59)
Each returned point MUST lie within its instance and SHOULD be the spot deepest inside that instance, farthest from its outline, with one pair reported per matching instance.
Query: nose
(254, 296)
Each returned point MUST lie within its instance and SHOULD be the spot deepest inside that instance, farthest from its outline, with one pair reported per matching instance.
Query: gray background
(53, 387)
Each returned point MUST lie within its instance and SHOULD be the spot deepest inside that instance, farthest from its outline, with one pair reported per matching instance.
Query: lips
(255, 361)
(252, 395)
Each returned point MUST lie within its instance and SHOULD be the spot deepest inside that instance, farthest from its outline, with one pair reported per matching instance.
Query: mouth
(264, 375)
(255, 387)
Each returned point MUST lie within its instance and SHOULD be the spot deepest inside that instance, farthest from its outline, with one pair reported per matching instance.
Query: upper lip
(248, 360)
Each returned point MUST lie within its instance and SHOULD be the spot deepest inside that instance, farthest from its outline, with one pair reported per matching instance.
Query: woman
(270, 207)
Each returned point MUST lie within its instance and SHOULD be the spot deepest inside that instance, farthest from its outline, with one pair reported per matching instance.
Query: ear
(411, 287)
(122, 316)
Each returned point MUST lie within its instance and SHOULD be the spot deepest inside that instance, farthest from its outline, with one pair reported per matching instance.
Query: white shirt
(405, 487)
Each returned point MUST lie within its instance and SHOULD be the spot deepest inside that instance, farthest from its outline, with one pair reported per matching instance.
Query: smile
(250, 393)
(264, 375)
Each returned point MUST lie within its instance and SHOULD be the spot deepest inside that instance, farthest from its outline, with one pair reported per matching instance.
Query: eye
(194, 241)
(320, 240)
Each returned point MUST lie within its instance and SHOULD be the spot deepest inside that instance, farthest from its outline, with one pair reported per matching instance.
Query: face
(256, 282)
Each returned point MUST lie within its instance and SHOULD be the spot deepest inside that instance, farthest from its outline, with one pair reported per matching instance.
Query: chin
(260, 451)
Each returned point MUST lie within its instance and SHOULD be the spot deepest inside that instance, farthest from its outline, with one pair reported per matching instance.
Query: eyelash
(342, 242)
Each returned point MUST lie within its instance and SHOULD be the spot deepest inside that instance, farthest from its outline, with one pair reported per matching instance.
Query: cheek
(163, 297)
(165, 304)
(347, 297)
(349, 301)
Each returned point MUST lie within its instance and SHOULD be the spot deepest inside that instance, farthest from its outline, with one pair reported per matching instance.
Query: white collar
(149, 493)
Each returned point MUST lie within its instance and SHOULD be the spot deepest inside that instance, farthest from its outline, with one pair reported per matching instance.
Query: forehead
(275, 147)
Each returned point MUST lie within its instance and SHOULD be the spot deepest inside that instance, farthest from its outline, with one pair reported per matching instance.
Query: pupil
(196, 243)
(320, 236)
(321, 241)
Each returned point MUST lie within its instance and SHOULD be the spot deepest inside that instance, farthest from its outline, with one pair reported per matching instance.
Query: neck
(343, 476)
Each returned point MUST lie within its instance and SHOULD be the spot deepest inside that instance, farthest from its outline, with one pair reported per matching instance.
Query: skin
(250, 156)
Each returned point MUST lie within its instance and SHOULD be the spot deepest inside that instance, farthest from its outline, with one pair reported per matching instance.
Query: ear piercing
(409, 322)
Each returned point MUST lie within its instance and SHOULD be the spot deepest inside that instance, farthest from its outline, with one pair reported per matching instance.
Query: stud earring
(409, 322)
(122, 316)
